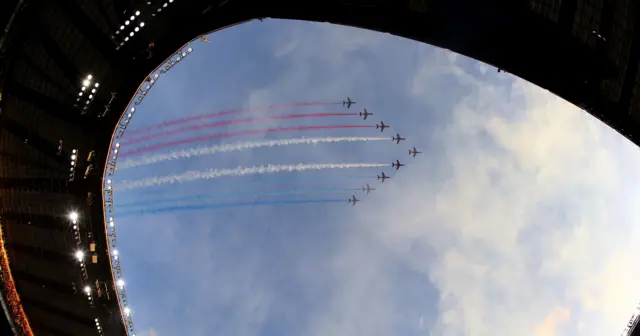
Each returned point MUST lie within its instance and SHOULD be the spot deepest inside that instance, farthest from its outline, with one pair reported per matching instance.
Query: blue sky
(517, 219)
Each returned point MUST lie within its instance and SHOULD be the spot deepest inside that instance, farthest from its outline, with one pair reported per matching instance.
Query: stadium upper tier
(69, 69)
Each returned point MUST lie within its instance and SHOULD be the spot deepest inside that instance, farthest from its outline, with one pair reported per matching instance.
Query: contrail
(224, 113)
(224, 206)
(210, 150)
(204, 138)
(223, 123)
(202, 197)
(195, 175)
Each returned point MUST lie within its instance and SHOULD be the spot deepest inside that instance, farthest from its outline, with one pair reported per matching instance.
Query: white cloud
(527, 228)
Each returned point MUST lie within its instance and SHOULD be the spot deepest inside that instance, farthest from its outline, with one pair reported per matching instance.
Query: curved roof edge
(10, 298)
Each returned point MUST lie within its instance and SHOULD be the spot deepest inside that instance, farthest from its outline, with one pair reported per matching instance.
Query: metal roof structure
(56, 138)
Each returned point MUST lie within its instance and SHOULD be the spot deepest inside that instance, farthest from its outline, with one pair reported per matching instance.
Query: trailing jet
(397, 138)
(414, 152)
(397, 164)
(365, 114)
(368, 189)
(382, 126)
(383, 177)
(353, 200)
(348, 102)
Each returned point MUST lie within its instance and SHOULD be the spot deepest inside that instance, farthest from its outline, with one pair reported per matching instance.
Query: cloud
(550, 324)
(150, 332)
(526, 224)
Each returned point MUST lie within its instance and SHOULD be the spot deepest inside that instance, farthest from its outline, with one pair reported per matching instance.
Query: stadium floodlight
(127, 310)
(87, 289)
(120, 283)
(73, 216)
(115, 252)
(79, 255)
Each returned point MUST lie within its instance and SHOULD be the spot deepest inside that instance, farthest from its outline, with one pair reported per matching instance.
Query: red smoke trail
(204, 138)
(223, 113)
(231, 122)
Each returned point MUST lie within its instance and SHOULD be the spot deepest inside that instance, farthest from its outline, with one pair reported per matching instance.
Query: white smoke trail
(240, 171)
(209, 150)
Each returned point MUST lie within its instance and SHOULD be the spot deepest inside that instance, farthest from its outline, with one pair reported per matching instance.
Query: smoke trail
(224, 113)
(225, 206)
(240, 171)
(204, 138)
(210, 150)
(223, 123)
(300, 191)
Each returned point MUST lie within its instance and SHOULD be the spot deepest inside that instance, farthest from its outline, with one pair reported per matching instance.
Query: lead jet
(397, 138)
(383, 177)
(397, 164)
(365, 114)
(382, 126)
(368, 189)
(348, 102)
(414, 152)
(353, 200)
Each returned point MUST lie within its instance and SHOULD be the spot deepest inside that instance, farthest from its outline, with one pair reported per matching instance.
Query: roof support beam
(52, 185)
(567, 15)
(52, 256)
(25, 58)
(56, 53)
(70, 316)
(47, 104)
(607, 19)
(34, 140)
(40, 327)
(21, 275)
(41, 221)
(629, 83)
(80, 19)
(31, 163)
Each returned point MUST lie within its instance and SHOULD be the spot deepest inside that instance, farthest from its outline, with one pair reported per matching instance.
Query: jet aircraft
(382, 126)
(414, 152)
(397, 164)
(397, 138)
(348, 102)
(365, 114)
(353, 200)
(368, 189)
(383, 177)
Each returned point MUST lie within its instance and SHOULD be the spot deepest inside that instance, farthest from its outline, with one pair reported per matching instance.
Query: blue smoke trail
(295, 191)
(224, 206)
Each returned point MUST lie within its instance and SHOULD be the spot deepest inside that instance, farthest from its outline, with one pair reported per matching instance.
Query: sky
(517, 218)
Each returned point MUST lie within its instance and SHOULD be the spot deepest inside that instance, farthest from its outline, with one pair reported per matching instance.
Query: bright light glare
(79, 255)
(87, 289)
(127, 310)
(73, 216)
(120, 283)
(86, 82)
(115, 252)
